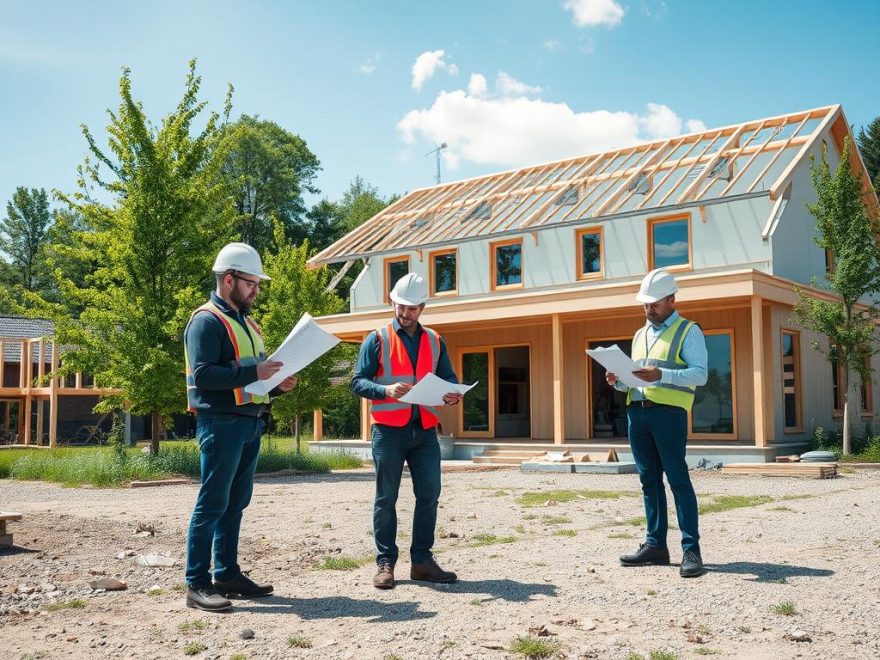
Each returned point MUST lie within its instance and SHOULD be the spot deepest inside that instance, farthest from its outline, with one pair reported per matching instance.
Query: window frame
(666, 219)
(386, 277)
(579, 255)
(733, 403)
(493, 262)
(798, 388)
(432, 282)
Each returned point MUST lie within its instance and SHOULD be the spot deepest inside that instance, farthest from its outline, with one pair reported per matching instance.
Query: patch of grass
(565, 532)
(490, 539)
(299, 642)
(728, 502)
(621, 535)
(635, 656)
(530, 516)
(476, 602)
(156, 592)
(805, 496)
(238, 656)
(75, 604)
(638, 521)
(194, 648)
(179, 588)
(190, 626)
(555, 520)
(343, 563)
(103, 466)
(651, 592)
(662, 655)
(705, 650)
(392, 656)
(499, 493)
(540, 564)
(534, 647)
(519, 529)
(540, 498)
(744, 629)
(785, 608)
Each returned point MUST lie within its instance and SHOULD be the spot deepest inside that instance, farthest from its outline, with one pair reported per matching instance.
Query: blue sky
(365, 83)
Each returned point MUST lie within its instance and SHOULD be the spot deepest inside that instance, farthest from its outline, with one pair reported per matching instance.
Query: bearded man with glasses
(224, 353)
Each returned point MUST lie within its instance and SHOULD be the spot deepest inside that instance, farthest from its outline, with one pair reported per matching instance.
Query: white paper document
(618, 363)
(306, 343)
(429, 391)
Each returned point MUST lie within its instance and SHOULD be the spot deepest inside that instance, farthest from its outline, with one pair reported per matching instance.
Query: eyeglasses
(252, 284)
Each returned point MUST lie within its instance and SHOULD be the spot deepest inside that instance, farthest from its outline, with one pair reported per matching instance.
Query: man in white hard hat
(224, 352)
(672, 354)
(391, 360)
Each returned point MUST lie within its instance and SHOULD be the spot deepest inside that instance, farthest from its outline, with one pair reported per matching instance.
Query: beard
(244, 303)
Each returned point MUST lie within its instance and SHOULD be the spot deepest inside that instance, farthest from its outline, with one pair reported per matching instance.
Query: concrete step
(498, 460)
(505, 456)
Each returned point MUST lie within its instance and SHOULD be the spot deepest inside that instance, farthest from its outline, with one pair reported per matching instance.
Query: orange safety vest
(396, 367)
(247, 343)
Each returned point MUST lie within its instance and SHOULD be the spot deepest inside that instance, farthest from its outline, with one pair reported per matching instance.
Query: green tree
(23, 236)
(267, 170)
(360, 203)
(324, 224)
(147, 250)
(293, 291)
(844, 229)
(869, 144)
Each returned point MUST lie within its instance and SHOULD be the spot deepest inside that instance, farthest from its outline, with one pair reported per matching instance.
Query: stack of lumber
(815, 470)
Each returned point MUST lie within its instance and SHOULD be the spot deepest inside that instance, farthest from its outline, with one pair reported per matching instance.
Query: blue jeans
(420, 449)
(230, 446)
(657, 437)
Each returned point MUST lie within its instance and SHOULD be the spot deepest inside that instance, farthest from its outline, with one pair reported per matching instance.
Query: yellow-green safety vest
(247, 344)
(666, 354)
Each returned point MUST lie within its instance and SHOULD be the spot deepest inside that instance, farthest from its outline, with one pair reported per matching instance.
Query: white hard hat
(410, 290)
(656, 286)
(241, 257)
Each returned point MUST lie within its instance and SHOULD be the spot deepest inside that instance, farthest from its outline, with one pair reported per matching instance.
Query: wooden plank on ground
(815, 470)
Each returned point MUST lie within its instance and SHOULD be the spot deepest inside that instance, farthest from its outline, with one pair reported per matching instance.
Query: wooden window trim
(722, 436)
(490, 433)
(493, 260)
(386, 266)
(653, 222)
(432, 282)
(579, 234)
(798, 389)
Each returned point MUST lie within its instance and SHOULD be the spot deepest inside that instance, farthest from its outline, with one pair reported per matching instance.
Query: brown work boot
(429, 571)
(384, 578)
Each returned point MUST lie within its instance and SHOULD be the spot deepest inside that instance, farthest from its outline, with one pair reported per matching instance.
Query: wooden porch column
(758, 371)
(27, 363)
(40, 409)
(318, 425)
(2, 364)
(558, 389)
(53, 397)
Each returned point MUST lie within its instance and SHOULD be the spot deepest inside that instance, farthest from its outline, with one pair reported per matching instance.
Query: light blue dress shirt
(693, 352)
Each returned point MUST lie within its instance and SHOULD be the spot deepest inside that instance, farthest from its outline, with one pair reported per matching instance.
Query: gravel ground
(815, 545)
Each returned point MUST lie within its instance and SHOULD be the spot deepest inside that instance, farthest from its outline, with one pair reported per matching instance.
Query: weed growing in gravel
(194, 648)
(565, 532)
(796, 497)
(621, 535)
(533, 647)
(299, 642)
(540, 564)
(179, 588)
(556, 520)
(540, 498)
(638, 521)
(635, 656)
(662, 655)
(343, 563)
(519, 529)
(727, 502)
(155, 591)
(189, 626)
(651, 592)
(785, 608)
(745, 629)
(238, 656)
(491, 539)
(705, 650)
(392, 656)
(530, 516)
(75, 604)
(476, 602)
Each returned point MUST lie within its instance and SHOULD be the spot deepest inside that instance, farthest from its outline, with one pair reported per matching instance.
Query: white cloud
(594, 12)
(552, 44)
(427, 64)
(510, 131)
(370, 65)
(695, 126)
(671, 250)
(477, 85)
(510, 86)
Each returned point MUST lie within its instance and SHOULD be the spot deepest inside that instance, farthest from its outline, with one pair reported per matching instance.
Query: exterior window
(669, 243)
(507, 266)
(589, 253)
(791, 380)
(836, 387)
(395, 268)
(444, 273)
(714, 410)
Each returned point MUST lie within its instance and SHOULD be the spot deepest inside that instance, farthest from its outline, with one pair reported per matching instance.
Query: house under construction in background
(528, 268)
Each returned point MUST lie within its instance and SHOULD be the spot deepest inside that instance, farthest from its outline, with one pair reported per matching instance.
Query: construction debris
(814, 470)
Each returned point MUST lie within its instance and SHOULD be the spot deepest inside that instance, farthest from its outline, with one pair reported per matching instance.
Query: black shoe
(207, 599)
(647, 555)
(243, 587)
(691, 564)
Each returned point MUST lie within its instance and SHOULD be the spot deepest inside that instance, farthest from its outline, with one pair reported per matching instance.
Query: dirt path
(813, 544)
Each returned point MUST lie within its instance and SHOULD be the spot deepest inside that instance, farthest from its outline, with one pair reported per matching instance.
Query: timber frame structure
(39, 357)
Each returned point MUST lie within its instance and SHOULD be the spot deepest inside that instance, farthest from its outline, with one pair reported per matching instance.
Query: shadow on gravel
(331, 607)
(768, 572)
(510, 590)
(17, 550)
